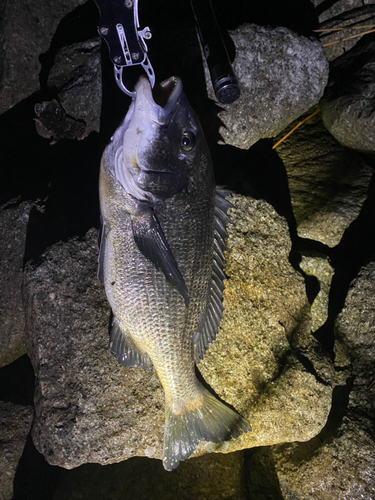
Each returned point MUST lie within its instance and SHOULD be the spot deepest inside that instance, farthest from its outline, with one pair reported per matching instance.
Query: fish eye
(187, 141)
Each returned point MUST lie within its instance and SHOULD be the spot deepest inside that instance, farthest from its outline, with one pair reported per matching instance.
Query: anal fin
(121, 345)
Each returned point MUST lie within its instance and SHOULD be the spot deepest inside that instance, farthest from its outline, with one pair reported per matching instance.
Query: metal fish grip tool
(119, 27)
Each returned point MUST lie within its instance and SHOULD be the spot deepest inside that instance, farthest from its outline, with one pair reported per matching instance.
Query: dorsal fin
(214, 309)
(121, 345)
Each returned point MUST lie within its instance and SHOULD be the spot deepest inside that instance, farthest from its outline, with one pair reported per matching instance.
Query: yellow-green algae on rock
(318, 265)
(259, 360)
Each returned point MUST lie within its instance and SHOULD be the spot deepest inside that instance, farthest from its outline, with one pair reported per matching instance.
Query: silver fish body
(161, 258)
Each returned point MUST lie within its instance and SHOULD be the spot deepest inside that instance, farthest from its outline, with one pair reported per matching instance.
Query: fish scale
(161, 260)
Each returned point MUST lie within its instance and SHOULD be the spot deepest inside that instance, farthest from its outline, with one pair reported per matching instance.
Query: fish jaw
(132, 142)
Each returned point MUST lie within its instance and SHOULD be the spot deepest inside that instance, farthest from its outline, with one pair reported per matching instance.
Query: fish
(161, 258)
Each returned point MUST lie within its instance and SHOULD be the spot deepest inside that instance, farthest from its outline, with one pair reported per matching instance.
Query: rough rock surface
(77, 76)
(348, 105)
(340, 463)
(15, 423)
(337, 46)
(355, 329)
(328, 183)
(26, 31)
(89, 409)
(214, 477)
(14, 217)
(314, 264)
(281, 75)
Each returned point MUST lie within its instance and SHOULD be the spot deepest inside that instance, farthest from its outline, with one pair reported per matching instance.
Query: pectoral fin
(152, 243)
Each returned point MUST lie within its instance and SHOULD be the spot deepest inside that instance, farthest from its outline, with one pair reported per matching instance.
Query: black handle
(223, 79)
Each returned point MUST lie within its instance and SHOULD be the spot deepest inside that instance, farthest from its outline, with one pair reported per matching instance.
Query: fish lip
(162, 99)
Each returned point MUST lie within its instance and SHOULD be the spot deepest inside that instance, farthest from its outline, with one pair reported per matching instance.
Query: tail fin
(211, 422)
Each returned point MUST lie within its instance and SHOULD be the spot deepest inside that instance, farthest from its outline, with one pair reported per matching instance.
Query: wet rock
(77, 76)
(328, 183)
(348, 105)
(26, 31)
(264, 362)
(318, 265)
(15, 423)
(213, 477)
(14, 217)
(340, 462)
(281, 75)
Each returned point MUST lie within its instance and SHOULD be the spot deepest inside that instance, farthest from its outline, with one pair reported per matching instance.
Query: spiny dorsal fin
(124, 349)
(214, 309)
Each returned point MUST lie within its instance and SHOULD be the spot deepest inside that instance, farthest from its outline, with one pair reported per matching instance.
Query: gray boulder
(15, 423)
(78, 78)
(26, 31)
(318, 265)
(340, 462)
(348, 105)
(264, 362)
(14, 217)
(281, 75)
(328, 183)
(336, 45)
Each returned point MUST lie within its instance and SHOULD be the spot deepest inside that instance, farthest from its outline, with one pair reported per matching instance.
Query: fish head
(160, 143)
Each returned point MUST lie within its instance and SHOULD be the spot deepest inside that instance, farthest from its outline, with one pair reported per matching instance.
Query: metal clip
(119, 27)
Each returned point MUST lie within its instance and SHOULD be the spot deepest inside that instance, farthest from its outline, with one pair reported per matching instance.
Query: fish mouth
(162, 100)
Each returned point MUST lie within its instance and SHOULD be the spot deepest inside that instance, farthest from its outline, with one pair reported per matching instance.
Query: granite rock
(26, 31)
(15, 423)
(328, 183)
(281, 75)
(264, 362)
(14, 217)
(339, 463)
(348, 105)
(318, 265)
(76, 74)
(334, 41)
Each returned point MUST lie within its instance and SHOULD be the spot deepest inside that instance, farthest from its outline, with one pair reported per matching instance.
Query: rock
(281, 75)
(14, 217)
(318, 265)
(52, 122)
(15, 423)
(26, 32)
(335, 40)
(328, 183)
(340, 462)
(77, 76)
(264, 362)
(355, 329)
(348, 103)
(213, 477)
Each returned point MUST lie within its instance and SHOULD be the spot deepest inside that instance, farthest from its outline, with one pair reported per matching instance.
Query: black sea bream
(161, 259)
